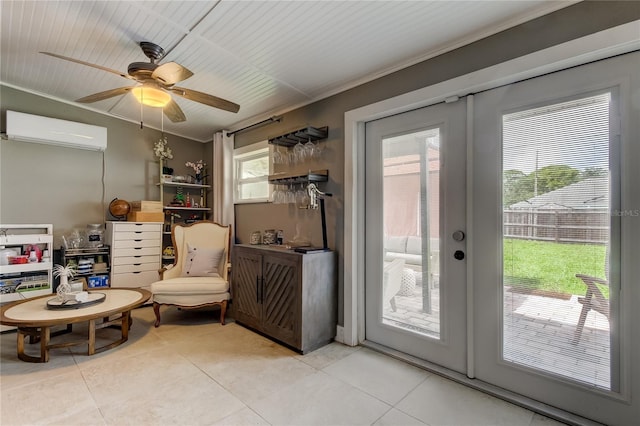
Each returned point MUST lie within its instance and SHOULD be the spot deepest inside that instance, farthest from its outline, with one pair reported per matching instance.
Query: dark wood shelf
(311, 176)
(301, 135)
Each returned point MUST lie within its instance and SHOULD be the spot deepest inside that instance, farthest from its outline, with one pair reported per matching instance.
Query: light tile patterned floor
(538, 333)
(193, 371)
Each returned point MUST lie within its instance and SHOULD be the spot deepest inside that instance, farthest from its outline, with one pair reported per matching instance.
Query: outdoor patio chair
(593, 299)
(391, 282)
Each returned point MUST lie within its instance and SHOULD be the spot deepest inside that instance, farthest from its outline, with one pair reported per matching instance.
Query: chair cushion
(190, 285)
(396, 244)
(202, 262)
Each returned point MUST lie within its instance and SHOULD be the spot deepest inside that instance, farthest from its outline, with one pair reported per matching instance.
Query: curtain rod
(263, 122)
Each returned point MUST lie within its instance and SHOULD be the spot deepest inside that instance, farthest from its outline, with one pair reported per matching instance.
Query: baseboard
(339, 334)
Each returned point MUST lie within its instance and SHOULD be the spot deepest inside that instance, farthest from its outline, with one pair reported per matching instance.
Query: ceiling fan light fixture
(151, 96)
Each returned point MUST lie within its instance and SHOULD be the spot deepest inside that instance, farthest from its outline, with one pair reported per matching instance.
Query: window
(251, 173)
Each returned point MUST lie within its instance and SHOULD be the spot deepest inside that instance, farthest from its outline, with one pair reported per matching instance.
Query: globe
(119, 208)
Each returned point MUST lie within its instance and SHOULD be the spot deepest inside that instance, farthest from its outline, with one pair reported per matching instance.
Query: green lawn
(549, 266)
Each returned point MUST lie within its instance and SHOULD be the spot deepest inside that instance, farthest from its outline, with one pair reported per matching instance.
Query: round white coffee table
(33, 319)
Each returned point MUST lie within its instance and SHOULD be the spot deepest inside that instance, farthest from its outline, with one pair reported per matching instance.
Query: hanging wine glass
(302, 198)
(317, 150)
(291, 194)
(299, 152)
(309, 148)
(277, 155)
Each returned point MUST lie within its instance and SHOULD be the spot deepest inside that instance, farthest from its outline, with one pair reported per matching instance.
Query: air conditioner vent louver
(52, 131)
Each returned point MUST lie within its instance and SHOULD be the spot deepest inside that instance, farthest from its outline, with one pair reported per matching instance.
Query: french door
(415, 220)
(554, 161)
(554, 199)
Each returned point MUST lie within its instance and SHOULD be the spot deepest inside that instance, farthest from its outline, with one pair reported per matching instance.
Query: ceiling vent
(52, 131)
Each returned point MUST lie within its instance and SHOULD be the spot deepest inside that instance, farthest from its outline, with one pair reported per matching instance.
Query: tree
(591, 172)
(515, 187)
(556, 176)
(518, 186)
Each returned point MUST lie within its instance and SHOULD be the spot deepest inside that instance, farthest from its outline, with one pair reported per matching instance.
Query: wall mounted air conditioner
(52, 131)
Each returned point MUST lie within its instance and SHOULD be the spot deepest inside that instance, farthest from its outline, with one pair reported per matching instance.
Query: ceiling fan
(156, 84)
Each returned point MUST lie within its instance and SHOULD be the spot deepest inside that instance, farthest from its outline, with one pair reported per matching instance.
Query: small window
(251, 173)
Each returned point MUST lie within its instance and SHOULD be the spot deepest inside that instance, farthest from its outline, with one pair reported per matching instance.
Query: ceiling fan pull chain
(141, 116)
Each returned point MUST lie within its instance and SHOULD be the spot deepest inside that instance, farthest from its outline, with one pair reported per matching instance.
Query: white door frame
(604, 44)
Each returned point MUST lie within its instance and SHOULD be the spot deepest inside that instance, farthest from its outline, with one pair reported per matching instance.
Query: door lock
(458, 236)
(459, 254)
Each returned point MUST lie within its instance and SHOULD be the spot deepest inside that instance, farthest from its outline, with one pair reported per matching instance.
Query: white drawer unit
(135, 253)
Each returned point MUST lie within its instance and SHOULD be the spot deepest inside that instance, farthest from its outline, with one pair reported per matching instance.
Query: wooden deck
(538, 333)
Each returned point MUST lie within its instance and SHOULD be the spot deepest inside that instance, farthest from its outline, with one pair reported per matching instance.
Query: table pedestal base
(43, 336)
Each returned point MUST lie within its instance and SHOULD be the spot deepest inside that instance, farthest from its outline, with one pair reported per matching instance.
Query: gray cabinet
(291, 297)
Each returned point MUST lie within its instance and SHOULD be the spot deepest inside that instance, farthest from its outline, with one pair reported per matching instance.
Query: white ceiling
(267, 56)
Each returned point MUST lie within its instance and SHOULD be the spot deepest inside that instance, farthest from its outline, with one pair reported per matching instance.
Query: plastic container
(6, 254)
(95, 235)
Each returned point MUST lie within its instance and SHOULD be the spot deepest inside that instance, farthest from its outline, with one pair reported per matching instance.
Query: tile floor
(193, 371)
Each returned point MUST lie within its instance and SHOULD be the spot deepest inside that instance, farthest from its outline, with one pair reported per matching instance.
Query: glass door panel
(415, 298)
(411, 194)
(556, 193)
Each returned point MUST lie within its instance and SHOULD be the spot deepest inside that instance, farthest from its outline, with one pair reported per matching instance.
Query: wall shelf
(291, 178)
(197, 209)
(301, 135)
(183, 184)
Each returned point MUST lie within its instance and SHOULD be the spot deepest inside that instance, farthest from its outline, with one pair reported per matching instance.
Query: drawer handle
(137, 232)
(137, 264)
(137, 248)
(137, 241)
(137, 256)
(136, 272)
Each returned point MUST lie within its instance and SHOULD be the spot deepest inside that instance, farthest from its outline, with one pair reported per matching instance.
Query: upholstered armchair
(199, 276)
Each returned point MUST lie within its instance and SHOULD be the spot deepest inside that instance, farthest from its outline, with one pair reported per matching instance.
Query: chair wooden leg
(583, 317)
(223, 311)
(156, 310)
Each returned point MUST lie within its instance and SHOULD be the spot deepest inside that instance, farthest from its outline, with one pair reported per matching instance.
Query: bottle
(33, 258)
(188, 203)
(280, 237)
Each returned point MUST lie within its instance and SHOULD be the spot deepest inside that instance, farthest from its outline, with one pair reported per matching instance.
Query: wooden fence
(566, 226)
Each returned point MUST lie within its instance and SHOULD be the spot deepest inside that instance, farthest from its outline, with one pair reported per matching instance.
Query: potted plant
(163, 152)
(64, 273)
(197, 167)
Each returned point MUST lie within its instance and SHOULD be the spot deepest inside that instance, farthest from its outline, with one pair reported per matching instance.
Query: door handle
(257, 289)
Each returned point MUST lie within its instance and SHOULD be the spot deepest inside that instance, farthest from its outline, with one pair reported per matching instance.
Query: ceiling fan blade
(206, 99)
(104, 95)
(66, 58)
(174, 112)
(171, 73)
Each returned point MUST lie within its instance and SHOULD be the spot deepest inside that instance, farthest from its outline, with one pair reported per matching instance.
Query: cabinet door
(280, 298)
(247, 282)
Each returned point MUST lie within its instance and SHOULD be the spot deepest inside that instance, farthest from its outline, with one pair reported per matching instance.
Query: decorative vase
(64, 288)
(198, 178)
